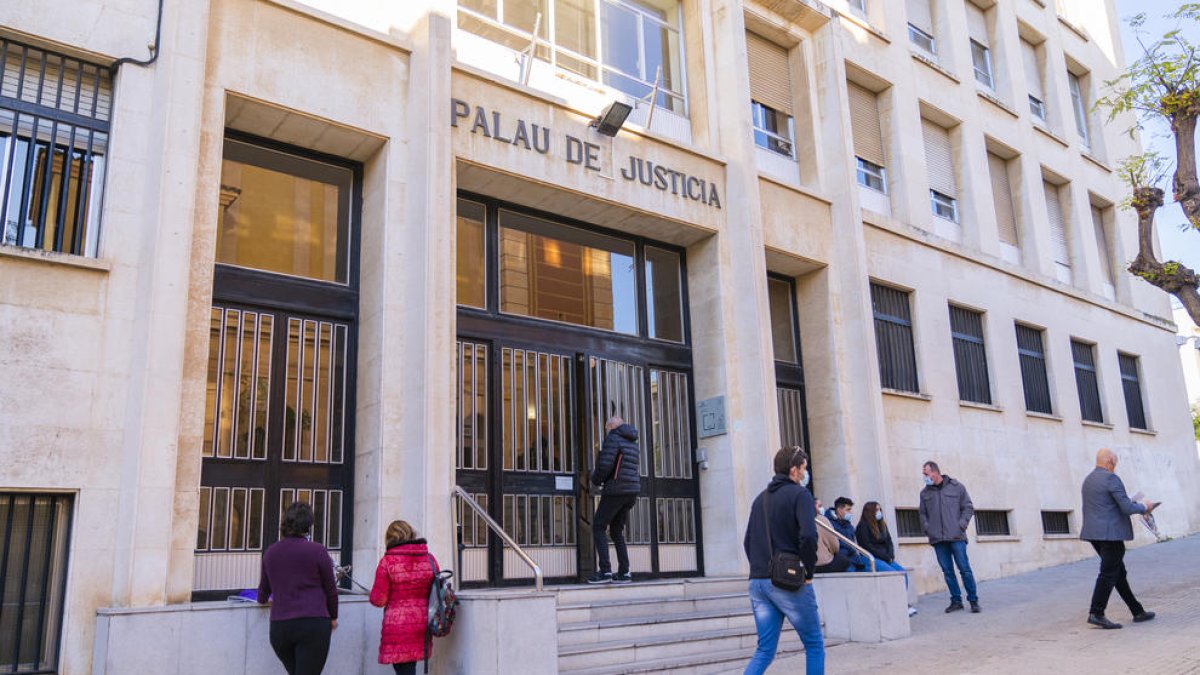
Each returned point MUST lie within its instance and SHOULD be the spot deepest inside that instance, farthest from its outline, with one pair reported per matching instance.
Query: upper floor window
(629, 45)
(782, 303)
(1059, 237)
(54, 125)
(981, 54)
(920, 25)
(939, 161)
(1135, 409)
(771, 95)
(860, 6)
(1002, 199)
(868, 137)
(970, 355)
(1087, 381)
(1033, 81)
(1102, 246)
(1079, 105)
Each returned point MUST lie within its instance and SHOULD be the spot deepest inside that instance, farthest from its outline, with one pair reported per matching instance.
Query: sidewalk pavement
(1036, 623)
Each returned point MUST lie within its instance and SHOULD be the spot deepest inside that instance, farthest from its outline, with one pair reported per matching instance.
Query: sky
(1176, 244)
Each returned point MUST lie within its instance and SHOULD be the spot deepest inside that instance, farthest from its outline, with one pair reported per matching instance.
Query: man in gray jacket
(1106, 512)
(946, 511)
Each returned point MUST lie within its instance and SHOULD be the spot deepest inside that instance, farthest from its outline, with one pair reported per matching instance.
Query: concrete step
(621, 609)
(667, 623)
(651, 646)
(708, 663)
(655, 588)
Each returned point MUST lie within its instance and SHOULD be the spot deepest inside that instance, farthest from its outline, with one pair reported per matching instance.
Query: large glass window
(54, 124)
(550, 271)
(282, 213)
(471, 276)
(664, 297)
(783, 321)
(638, 40)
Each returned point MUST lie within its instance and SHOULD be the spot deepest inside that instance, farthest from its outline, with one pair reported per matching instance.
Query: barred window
(894, 338)
(1034, 377)
(1087, 381)
(54, 125)
(992, 524)
(35, 532)
(1134, 408)
(908, 523)
(970, 357)
(1056, 522)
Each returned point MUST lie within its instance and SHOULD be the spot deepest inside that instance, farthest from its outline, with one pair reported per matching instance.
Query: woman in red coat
(402, 583)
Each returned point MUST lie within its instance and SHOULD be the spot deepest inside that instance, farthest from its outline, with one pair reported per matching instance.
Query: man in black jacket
(617, 473)
(785, 510)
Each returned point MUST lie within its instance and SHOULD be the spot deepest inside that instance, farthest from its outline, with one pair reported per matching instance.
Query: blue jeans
(949, 554)
(770, 605)
(881, 566)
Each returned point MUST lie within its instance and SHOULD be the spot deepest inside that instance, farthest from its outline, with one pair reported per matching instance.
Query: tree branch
(1185, 184)
(1172, 276)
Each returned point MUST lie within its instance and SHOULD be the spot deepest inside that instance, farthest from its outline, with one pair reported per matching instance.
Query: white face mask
(804, 478)
(928, 480)
(879, 515)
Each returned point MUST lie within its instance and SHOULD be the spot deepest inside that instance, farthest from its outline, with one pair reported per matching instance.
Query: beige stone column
(157, 126)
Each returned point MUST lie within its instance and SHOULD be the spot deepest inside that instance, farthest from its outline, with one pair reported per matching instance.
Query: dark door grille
(35, 531)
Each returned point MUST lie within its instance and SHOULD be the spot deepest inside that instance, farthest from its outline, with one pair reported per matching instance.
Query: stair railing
(495, 527)
(821, 522)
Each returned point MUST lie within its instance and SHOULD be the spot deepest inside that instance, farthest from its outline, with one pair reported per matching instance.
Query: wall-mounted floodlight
(609, 122)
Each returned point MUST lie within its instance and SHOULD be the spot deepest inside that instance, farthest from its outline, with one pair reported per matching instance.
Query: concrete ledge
(863, 606)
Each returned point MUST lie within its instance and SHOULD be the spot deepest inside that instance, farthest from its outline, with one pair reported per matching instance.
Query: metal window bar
(1087, 381)
(992, 524)
(1134, 406)
(34, 539)
(842, 538)
(894, 339)
(970, 355)
(1034, 377)
(1056, 522)
(495, 527)
(908, 523)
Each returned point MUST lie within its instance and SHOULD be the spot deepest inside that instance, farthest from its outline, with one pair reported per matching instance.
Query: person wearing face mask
(782, 519)
(872, 534)
(839, 516)
(1106, 513)
(946, 511)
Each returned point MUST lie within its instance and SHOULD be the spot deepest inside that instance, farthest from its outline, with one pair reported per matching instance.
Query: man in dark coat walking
(617, 473)
(946, 511)
(1106, 512)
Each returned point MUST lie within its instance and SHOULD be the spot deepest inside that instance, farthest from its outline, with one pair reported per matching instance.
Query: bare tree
(1163, 84)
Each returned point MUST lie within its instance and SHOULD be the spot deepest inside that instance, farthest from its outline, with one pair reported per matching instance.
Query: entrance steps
(683, 626)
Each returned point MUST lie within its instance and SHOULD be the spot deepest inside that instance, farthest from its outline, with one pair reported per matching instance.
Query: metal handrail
(821, 521)
(495, 527)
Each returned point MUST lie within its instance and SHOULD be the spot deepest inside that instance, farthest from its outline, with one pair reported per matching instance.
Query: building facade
(361, 254)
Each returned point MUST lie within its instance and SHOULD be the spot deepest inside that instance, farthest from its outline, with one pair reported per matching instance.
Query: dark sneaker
(1144, 616)
(1101, 621)
(954, 606)
(600, 578)
(625, 578)
(975, 608)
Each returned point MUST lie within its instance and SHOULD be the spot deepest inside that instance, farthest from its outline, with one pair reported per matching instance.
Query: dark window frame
(908, 523)
(1087, 381)
(896, 328)
(1130, 368)
(1035, 369)
(970, 355)
(1056, 523)
(791, 375)
(992, 523)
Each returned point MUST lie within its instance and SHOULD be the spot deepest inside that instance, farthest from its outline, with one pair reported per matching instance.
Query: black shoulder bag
(786, 569)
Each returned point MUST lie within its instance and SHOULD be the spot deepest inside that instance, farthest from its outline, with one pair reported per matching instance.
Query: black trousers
(611, 516)
(302, 645)
(408, 668)
(1112, 575)
(840, 563)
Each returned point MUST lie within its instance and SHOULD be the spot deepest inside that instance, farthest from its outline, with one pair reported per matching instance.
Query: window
(1102, 248)
(770, 94)
(1087, 381)
(1002, 199)
(1056, 522)
(551, 271)
(920, 25)
(939, 163)
(868, 137)
(894, 338)
(664, 294)
(1130, 383)
(992, 524)
(1079, 104)
(1060, 243)
(789, 376)
(783, 320)
(860, 5)
(283, 213)
(471, 279)
(34, 540)
(1033, 80)
(908, 523)
(970, 356)
(626, 44)
(54, 125)
(1034, 378)
(981, 55)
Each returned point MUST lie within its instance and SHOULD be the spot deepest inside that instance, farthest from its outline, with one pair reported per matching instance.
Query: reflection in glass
(551, 271)
(783, 331)
(283, 222)
(471, 270)
(664, 298)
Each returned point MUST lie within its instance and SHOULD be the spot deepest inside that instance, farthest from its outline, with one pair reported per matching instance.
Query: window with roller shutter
(1033, 80)
(981, 53)
(939, 162)
(1006, 220)
(1102, 247)
(770, 95)
(868, 137)
(920, 25)
(1060, 243)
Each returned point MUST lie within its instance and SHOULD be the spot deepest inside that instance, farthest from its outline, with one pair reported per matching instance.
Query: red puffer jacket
(401, 587)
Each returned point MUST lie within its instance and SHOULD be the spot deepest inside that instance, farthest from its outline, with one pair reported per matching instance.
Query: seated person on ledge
(839, 516)
(830, 558)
